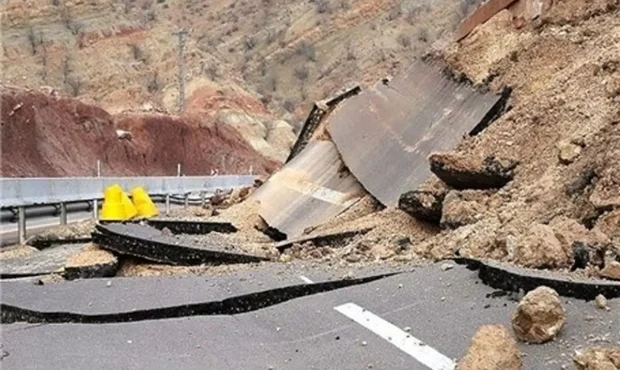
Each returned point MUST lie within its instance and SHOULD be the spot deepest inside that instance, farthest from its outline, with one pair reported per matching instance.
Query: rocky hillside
(273, 54)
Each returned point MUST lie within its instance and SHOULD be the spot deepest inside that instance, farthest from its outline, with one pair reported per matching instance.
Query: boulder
(491, 348)
(598, 358)
(611, 271)
(540, 248)
(586, 247)
(539, 316)
(462, 172)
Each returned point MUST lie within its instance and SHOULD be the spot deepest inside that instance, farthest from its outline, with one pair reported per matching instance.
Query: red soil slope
(43, 135)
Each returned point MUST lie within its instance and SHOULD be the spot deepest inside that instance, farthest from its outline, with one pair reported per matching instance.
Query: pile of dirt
(564, 76)
(44, 135)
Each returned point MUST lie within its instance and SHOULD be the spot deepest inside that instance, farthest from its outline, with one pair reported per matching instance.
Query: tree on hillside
(35, 39)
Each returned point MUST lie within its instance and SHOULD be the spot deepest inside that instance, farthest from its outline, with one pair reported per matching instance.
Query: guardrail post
(21, 225)
(95, 209)
(63, 213)
(203, 198)
(186, 200)
(96, 201)
(167, 204)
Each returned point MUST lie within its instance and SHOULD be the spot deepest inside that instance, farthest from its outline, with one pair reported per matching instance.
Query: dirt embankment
(44, 135)
(562, 128)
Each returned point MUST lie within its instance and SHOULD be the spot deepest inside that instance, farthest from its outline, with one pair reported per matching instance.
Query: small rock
(364, 343)
(568, 152)
(407, 329)
(447, 266)
(285, 258)
(539, 316)
(349, 276)
(109, 284)
(611, 271)
(422, 204)
(491, 348)
(600, 301)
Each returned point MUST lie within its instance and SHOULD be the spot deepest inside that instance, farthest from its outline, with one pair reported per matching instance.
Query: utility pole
(181, 66)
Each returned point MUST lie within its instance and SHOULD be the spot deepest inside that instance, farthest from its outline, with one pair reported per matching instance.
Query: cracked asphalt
(441, 308)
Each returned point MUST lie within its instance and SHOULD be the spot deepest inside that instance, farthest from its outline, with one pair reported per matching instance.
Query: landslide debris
(539, 316)
(492, 348)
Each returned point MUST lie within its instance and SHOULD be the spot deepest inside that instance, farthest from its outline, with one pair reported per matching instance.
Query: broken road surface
(440, 308)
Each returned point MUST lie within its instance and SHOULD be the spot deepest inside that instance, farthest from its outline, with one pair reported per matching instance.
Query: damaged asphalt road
(441, 308)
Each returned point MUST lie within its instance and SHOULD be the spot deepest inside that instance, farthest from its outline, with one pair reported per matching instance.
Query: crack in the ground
(162, 249)
(512, 278)
(231, 306)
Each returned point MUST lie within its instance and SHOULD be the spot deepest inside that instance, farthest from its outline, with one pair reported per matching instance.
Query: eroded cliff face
(47, 135)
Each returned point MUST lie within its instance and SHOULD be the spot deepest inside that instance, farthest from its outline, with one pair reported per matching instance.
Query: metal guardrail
(28, 192)
(23, 192)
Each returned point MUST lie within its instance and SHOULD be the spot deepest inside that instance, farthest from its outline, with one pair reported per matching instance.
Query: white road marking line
(415, 348)
(306, 280)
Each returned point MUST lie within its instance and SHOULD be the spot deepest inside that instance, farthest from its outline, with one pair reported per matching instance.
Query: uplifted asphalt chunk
(512, 278)
(424, 205)
(192, 227)
(154, 245)
(48, 261)
(462, 172)
(91, 262)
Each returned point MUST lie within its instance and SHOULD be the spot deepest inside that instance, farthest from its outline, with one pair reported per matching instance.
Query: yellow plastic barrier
(130, 209)
(112, 208)
(144, 205)
(116, 205)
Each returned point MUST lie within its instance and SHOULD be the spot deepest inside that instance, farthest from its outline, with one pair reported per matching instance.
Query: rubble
(611, 271)
(609, 225)
(492, 348)
(462, 208)
(463, 172)
(598, 358)
(90, 262)
(605, 195)
(540, 248)
(539, 316)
